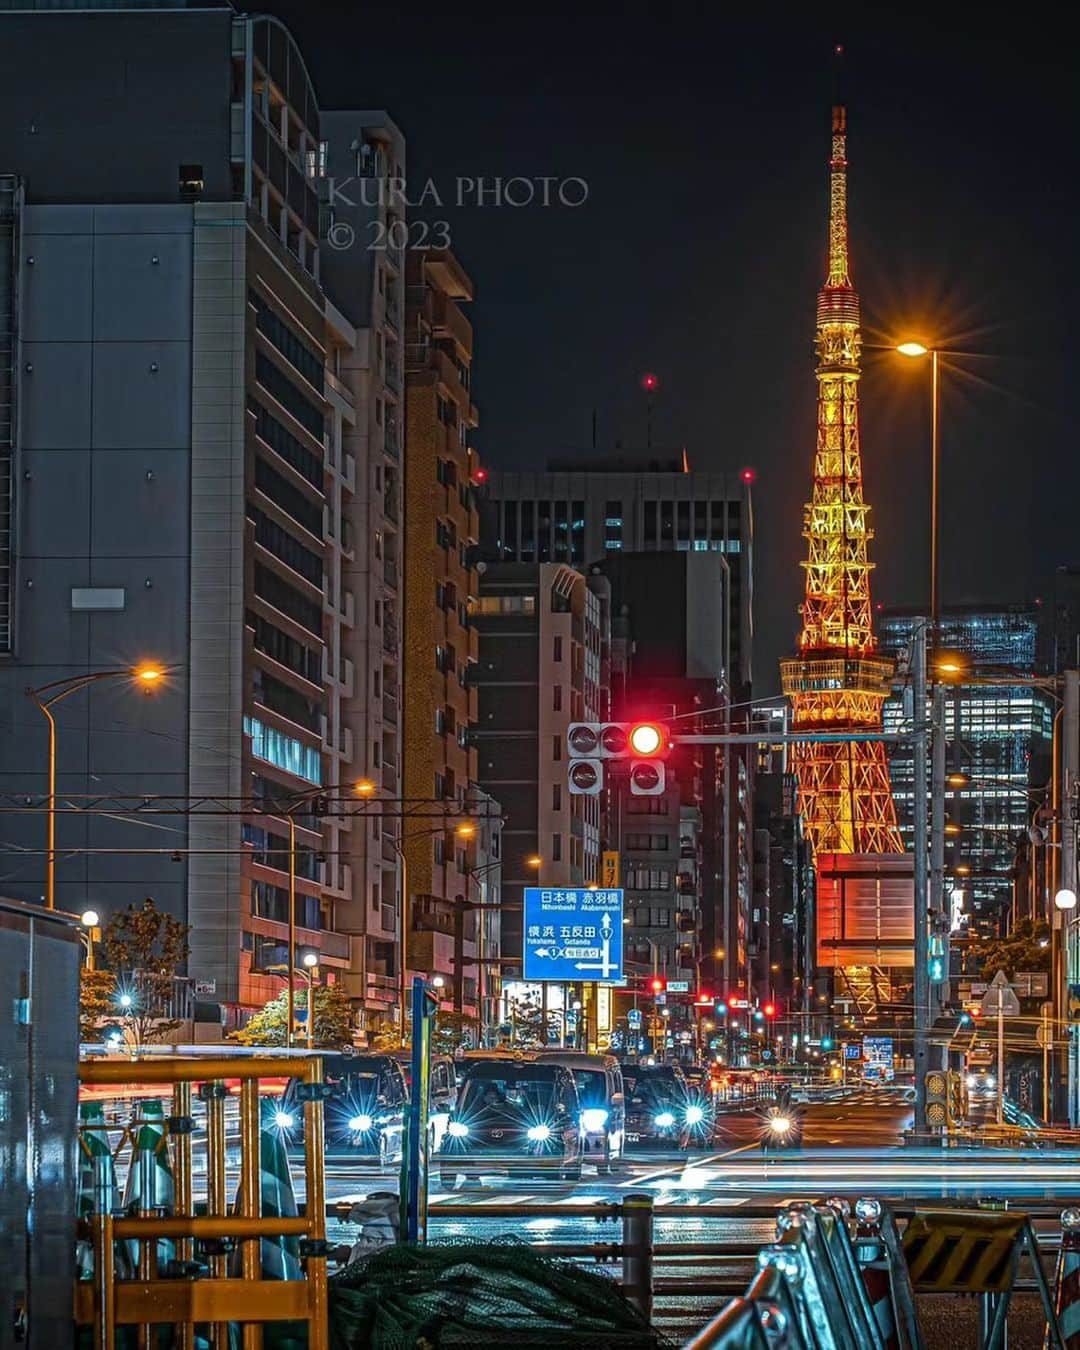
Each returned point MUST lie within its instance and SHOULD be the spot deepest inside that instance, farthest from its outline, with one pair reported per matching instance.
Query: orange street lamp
(147, 675)
(364, 788)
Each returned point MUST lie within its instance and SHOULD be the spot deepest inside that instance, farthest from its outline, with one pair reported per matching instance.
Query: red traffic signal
(656, 984)
(769, 1010)
(703, 1000)
(648, 739)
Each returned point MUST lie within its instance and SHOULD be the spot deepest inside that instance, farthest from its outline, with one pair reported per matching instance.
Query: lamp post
(89, 932)
(44, 697)
(311, 969)
(463, 830)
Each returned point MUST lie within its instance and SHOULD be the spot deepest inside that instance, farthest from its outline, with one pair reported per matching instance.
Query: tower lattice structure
(838, 682)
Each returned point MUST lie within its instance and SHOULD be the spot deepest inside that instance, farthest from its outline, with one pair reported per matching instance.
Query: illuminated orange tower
(838, 682)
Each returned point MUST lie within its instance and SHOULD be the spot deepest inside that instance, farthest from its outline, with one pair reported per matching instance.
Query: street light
(90, 920)
(147, 674)
(311, 969)
(917, 350)
(1065, 898)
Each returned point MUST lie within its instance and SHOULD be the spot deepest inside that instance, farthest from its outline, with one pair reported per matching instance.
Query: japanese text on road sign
(573, 935)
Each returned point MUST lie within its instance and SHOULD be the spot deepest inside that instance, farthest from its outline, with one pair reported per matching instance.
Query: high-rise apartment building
(580, 512)
(441, 533)
(207, 475)
(364, 153)
(998, 737)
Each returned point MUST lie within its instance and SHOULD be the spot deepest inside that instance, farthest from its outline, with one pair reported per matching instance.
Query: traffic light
(645, 744)
(650, 743)
(937, 961)
(657, 985)
(769, 1010)
(937, 1097)
(826, 1042)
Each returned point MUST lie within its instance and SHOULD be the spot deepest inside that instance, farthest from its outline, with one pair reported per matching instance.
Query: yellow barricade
(962, 1251)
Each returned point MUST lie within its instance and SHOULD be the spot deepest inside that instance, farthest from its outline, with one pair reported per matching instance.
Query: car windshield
(591, 1086)
(532, 1092)
(651, 1086)
(363, 1083)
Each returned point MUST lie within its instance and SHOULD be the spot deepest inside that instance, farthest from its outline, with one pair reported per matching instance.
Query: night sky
(700, 248)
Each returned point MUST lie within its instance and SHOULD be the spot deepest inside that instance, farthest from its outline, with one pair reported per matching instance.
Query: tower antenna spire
(838, 682)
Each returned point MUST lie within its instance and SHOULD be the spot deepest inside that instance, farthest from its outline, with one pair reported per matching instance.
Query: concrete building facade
(439, 640)
(218, 489)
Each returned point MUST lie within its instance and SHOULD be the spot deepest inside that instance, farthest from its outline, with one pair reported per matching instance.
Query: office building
(200, 481)
(441, 532)
(543, 634)
(685, 854)
(998, 737)
(580, 512)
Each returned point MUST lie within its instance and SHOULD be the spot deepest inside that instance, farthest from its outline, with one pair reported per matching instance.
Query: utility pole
(921, 1009)
(937, 843)
(1065, 934)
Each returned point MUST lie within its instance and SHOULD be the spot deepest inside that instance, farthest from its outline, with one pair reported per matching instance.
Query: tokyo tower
(838, 682)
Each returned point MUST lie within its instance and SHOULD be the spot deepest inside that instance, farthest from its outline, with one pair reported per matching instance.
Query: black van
(364, 1114)
(512, 1115)
(662, 1110)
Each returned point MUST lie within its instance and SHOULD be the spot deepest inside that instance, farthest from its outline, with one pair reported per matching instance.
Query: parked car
(364, 1114)
(601, 1102)
(515, 1114)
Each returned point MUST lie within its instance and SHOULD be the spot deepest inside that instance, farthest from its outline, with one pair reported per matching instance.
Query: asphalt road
(724, 1193)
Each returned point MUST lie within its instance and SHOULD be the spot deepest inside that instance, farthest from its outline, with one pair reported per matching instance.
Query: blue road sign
(852, 1050)
(573, 935)
(633, 1017)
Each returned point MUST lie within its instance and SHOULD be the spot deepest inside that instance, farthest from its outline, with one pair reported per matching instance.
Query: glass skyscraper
(998, 735)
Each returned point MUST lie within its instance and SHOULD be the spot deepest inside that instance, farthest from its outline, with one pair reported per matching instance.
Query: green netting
(500, 1293)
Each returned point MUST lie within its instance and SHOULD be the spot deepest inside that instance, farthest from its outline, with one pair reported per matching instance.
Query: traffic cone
(1067, 1280)
(150, 1183)
(874, 1269)
(97, 1179)
(280, 1256)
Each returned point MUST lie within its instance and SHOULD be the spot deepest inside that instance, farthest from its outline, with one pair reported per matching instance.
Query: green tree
(333, 1019)
(97, 1002)
(454, 1031)
(144, 947)
(1026, 948)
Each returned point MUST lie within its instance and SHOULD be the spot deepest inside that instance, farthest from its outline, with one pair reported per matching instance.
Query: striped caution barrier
(1067, 1279)
(280, 1256)
(874, 1269)
(97, 1191)
(150, 1184)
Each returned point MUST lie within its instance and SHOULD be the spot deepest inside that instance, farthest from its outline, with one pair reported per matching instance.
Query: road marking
(646, 1177)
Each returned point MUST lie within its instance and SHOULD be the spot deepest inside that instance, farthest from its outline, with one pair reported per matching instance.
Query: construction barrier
(821, 1287)
(181, 1261)
(1067, 1280)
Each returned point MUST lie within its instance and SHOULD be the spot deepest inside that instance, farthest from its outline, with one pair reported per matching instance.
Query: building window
(556, 848)
(654, 843)
(440, 851)
(648, 879)
(556, 748)
(646, 806)
(440, 786)
(556, 698)
(556, 649)
(284, 752)
(556, 797)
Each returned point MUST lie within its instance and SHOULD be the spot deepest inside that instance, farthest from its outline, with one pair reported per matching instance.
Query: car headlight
(361, 1123)
(972, 1081)
(538, 1133)
(594, 1119)
(284, 1120)
(664, 1119)
(780, 1124)
(694, 1115)
(991, 1081)
(457, 1130)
